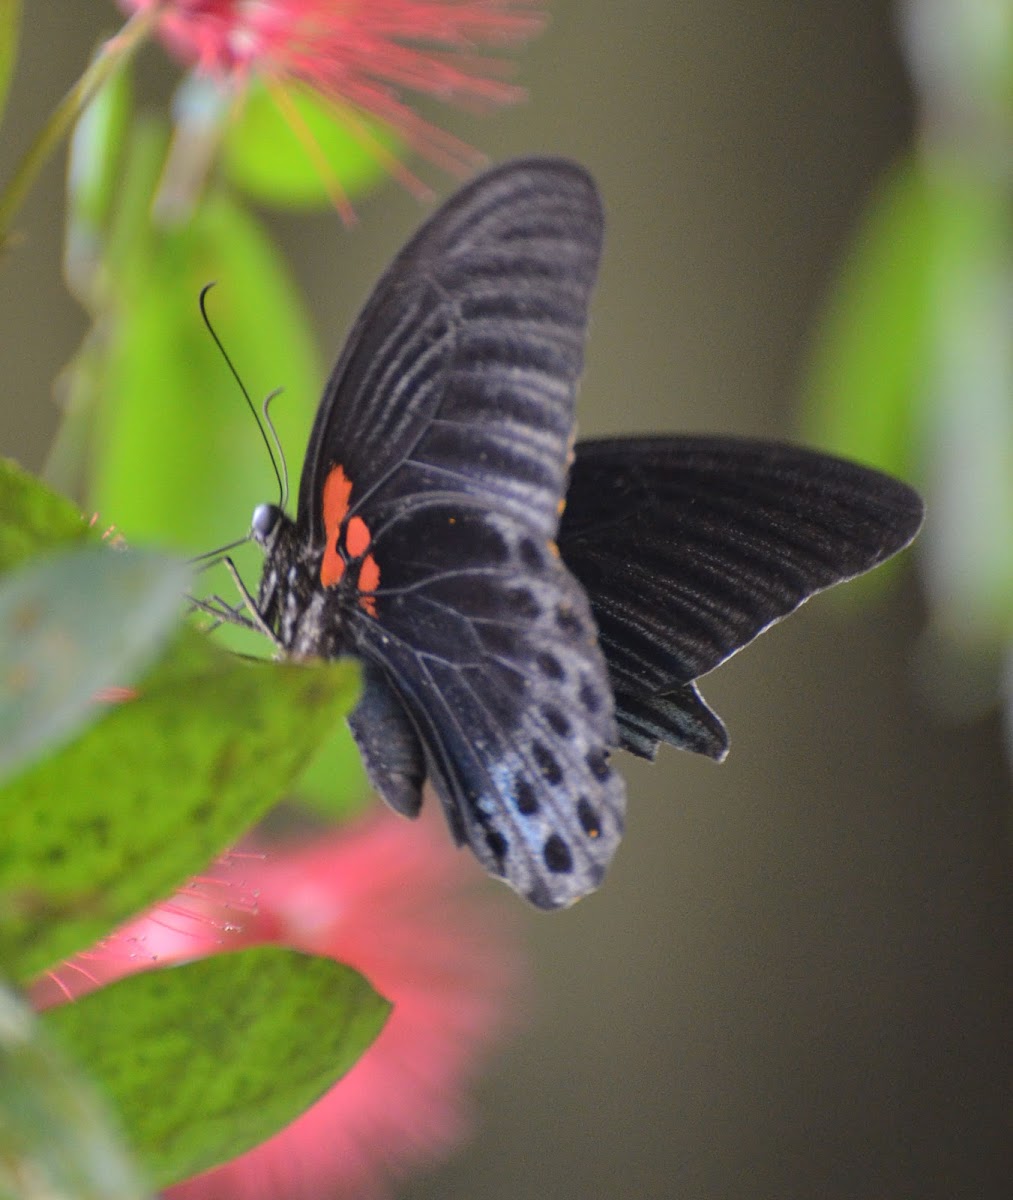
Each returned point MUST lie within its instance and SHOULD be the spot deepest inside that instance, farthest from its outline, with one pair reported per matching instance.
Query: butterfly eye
(265, 521)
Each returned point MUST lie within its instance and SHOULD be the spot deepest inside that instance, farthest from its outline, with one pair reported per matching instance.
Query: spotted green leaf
(32, 518)
(148, 795)
(206, 1060)
(56, 1137)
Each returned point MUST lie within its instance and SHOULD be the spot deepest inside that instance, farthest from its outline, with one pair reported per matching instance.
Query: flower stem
(110, 57)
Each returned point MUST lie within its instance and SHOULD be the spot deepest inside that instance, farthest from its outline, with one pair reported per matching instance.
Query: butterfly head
(267, 521)
(287, 600)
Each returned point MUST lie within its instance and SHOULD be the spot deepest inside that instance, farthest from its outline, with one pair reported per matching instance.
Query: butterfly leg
(250, 604)
(221, 611)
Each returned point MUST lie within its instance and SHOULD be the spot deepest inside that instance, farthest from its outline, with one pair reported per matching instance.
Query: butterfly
(522, 605)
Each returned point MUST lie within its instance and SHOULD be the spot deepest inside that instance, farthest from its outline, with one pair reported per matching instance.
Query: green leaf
(153, 417)
(178, 454)
(175, 455)
(335, 784)
(172, 452)
(145, 798)
(278, 163)
(83, 388)
(94, 173)
(55, 1135)
(70, 625)
(968, 413)
(870, 352)
(32, 518)
(206, 1060)
(10, 30)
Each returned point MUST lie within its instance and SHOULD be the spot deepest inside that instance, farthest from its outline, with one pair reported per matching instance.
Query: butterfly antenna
(266, 410)
(282, 486)
(211, 558)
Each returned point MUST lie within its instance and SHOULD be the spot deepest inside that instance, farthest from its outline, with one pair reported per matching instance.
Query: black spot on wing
(497, 843)
(526, 797)
(556, 721)
(557, 855)
(549, 665)
(548, 764)
(597, 761)
(589, 820)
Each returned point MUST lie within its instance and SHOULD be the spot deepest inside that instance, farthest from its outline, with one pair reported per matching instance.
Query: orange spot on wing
(354, 544)
(337, 490)
(369, 581)
(332, 567)
(357, 537)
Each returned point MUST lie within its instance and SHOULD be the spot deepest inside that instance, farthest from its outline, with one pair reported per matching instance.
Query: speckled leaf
(151, 793)
(206, 1060)
(71, 625)
(32, 518)
(56, 1139)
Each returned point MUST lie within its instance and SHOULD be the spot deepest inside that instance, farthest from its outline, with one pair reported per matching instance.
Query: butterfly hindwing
(494, 656)
(688, 547)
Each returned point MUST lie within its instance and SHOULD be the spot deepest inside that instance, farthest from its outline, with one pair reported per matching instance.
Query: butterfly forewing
(445, 433)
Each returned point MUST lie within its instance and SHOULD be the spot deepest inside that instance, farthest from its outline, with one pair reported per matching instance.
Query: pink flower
(363, 53)
(389, 898)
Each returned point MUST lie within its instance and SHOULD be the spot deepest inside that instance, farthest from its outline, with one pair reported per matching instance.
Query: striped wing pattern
(459, 377)
(451, 411)
(689, 547)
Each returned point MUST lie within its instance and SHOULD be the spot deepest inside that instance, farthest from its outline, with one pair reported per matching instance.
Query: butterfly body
(523, 606)
(308, 621)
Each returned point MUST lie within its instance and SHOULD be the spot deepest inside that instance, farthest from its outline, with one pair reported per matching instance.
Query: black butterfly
(509, 643)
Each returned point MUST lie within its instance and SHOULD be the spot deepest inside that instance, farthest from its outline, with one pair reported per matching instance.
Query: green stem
(110, 57)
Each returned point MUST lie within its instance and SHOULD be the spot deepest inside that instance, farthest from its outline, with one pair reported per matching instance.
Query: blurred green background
(792, 984)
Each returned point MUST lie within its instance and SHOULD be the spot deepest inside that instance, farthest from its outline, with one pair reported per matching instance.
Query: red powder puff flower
(389, 898)
(358, 53)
